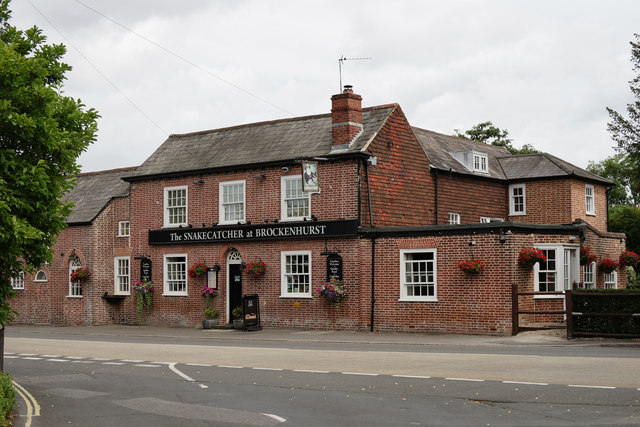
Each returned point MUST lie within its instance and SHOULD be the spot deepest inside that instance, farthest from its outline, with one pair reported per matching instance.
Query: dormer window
(480, 162)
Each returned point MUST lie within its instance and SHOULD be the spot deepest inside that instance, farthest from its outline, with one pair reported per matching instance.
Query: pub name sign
(277, 231)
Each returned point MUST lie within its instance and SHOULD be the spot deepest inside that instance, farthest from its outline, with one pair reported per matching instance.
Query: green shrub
(7, 398)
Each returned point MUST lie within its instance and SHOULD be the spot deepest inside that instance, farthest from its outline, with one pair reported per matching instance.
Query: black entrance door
(235, 287)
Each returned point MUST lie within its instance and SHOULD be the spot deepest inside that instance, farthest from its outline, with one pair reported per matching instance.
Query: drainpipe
(436, 195)
(607, 198)
(373, 244)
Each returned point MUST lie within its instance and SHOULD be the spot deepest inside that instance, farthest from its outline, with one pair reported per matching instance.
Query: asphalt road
(231, 378)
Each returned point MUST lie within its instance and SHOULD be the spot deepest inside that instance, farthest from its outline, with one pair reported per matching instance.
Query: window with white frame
(517, 199)
(18, 281)
(40, 276)
(589, 199)
(611, 280)
(175, 274)
(123, 229)
(75, 288)
(418, 275)
(175, 206)
(486, 219)
(589, 275)
(121, 273)
(296, 273)
(480, 162)
(559, 272)
(454, 218)
(232, 202)
(296, 204)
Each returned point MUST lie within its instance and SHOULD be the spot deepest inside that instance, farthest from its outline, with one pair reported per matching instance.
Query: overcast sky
(543, 70)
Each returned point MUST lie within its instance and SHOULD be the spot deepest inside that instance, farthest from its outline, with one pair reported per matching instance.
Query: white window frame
(124, 229)
(590, 199)
(75, 289)
(404, 294)
(18, 281)
(589, 275)
(222, 205)
(486, 219)
(611, 280)
(512, 199)
(167, 291)
(284, 288)
(40, 273)
(567, 268)
(480, 162)
(454, 218)
(167, 215)
(306, 196)
(121, 277)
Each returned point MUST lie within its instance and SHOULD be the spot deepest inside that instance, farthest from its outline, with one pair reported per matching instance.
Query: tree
(626, 131)
(42, 133)
(626, 219)
(623, 172)
(489, 134)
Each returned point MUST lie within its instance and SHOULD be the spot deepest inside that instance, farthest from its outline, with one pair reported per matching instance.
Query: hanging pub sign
(310, 177)
(334, 267)
(145, 270)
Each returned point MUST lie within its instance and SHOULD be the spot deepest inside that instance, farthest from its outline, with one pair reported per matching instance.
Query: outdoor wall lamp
(502, 236)
(259, 176)
(198, 181)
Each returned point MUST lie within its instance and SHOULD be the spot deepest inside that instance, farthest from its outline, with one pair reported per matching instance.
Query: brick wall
(470, 197)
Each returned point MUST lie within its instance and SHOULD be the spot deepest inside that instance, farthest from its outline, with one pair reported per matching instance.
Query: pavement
(551, 337)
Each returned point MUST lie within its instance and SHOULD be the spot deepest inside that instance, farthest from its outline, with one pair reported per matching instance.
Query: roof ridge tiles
(106, 171)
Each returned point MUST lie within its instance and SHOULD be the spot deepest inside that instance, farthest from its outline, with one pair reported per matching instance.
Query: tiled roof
(280, 140)
(544, 165)
(93, 191)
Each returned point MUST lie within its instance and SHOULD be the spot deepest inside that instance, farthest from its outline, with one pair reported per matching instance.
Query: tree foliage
(42, 133)
(626, 131)
(623, 172)
(487, 133)
(626, 219)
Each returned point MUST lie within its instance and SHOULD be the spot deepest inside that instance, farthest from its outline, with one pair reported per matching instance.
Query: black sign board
(257, 232)
(251, 312)
(145, 270)
(334, 267)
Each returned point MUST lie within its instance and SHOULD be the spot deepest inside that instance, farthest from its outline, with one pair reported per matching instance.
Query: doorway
(234, 282)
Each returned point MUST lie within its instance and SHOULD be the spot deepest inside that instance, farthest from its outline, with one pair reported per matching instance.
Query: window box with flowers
(333, 291)
(80, 275)
(587, 256)
(197, 270)
(607, 266)
(144, 296)
(629, 259)
(474, 266)
(255, 269)
(530, 256)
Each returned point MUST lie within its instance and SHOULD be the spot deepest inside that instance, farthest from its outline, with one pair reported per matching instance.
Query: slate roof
(255, 144)
(544, 165)
(93, 191)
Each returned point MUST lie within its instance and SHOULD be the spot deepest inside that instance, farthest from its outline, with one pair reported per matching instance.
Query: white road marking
(87, 362)
(590, 386)
(172, 366)
(275, 417)
(57, 360)
(132, 361)
(310, 371)
(268, 369)
(199, 364)
(145, 365)
(420, 377)
(523, 382)
(360, 373)
(464, 379)
(231, 367)
(32, 358)
(114, 363)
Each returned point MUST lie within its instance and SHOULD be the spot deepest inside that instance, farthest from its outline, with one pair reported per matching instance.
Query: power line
(182, 58)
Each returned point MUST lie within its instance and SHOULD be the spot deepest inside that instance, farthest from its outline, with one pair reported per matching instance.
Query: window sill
(548, 296)
(74, 296)
(418, 300)
(298, 296)
(175, 295)
(517, 214)
(124, 236)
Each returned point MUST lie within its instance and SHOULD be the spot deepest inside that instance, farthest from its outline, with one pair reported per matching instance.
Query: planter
(209, 323)
(238, 324)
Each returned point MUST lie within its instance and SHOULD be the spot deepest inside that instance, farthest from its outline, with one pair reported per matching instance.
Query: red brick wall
(402, 191)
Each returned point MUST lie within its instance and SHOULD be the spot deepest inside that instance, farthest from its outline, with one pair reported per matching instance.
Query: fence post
(569, 314)
(514, 309)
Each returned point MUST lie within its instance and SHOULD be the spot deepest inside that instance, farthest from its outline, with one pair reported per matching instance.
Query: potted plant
(144, 296)
(471, 266)
(607, 265)
(587, 256)
(629, 259)
(255, 269)
(529, 256)
(333, 290)
(197, 270)
(211, 317)
(238, 322)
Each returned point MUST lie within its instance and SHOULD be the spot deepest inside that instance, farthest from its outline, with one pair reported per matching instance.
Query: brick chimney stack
(346, 117)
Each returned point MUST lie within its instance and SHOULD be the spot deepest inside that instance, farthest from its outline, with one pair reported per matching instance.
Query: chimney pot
(348, 89)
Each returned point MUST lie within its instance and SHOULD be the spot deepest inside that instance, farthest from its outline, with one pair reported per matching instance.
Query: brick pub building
(390, 209)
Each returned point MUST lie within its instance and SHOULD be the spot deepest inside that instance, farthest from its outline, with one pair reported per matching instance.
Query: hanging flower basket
(529, 256)
(607, 266)
(144, 296)
(255, 269)
(587, 256)
(80, 274)
(471, 266)
(629, 259)
(333, 291)
(197, 270)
